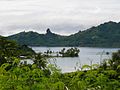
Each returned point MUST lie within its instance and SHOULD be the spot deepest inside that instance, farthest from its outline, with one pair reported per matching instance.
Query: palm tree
(40, 61)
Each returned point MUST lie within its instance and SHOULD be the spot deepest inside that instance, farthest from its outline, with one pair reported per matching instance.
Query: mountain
(103, 35)
(34, 39)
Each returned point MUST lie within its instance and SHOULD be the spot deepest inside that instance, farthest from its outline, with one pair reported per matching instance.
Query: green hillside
(104, 35)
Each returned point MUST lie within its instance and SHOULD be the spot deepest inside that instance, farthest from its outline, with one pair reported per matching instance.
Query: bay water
(87, 55)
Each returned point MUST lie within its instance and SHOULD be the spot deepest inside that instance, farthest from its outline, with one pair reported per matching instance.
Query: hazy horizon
(45, 31)
(63, 17)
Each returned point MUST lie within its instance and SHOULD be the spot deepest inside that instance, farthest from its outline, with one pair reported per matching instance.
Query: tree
(115, 61)
(8, 49)
(40, 61)
(72, 52)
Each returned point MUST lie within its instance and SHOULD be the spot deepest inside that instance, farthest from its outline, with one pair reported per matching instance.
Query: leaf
(86, 67)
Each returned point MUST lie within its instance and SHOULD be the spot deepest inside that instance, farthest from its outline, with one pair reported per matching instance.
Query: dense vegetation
(41, 76)
(9, 49)
(104, 35)
(34, 39)
(72, 52)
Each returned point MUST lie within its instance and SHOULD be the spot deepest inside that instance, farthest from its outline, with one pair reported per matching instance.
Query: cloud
(63, 29)
(57, 14)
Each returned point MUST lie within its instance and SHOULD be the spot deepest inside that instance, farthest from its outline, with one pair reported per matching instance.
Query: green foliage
(115, 61)
(72, 52)
(88, 67)
(9, 49)
(40, 61)
(25, 50)
(31, 77)
(25, 77)
(41, 76)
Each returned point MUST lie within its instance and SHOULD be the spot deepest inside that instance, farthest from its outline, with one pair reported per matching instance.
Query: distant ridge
(103, 35)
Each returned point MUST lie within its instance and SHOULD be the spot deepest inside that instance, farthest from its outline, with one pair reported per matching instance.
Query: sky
(63, 17)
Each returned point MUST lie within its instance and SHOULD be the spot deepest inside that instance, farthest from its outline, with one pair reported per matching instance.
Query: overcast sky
(61, 16)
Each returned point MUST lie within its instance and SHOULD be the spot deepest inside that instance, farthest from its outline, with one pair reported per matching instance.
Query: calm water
(86, 56)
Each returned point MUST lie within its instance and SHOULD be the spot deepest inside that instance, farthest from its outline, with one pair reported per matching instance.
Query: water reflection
(86, 56)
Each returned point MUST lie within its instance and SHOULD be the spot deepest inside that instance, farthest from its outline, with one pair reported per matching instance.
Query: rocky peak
(48, 32)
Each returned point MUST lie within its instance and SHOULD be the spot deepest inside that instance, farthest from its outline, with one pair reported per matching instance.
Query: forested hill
(35, 39)
(104, 35)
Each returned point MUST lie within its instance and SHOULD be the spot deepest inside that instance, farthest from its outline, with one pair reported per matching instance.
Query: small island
(71, 52)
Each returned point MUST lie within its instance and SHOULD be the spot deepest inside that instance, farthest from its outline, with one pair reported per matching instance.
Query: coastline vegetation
(71, 52)
(41, 76)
